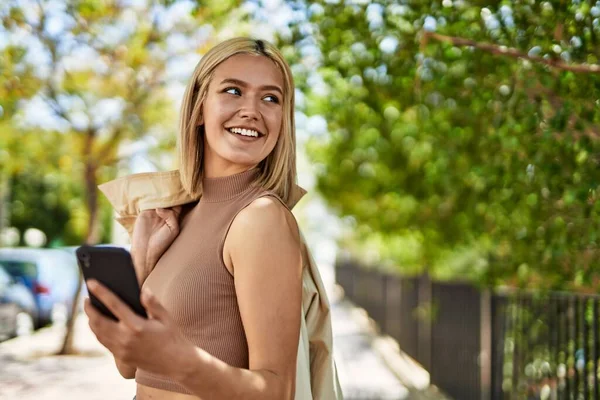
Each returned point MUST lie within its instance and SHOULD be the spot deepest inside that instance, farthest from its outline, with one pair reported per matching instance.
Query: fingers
(164, 212)
(95, 315)
(177, 210)
(171, 217)
(99, 323)
(121, 310)
(154, 309)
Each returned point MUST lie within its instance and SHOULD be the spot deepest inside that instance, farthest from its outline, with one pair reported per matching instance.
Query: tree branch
(52, 92)
(589, 130)
(139, 97)
(514, 53)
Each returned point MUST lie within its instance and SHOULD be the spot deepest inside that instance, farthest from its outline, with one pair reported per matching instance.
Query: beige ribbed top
(192, 282)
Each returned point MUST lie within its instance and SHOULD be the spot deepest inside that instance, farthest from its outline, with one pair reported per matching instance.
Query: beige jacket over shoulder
(316, 374)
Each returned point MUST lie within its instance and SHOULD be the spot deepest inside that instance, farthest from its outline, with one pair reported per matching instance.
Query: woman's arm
(263, 246)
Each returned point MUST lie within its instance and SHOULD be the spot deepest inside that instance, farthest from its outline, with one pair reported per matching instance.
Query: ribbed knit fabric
(192, 282)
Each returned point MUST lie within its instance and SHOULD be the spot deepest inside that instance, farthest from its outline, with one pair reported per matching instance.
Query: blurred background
(450, 151)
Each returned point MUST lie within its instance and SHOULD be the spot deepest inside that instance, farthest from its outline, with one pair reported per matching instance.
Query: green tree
(35, 202)
(17, 83)
(47, 195)
(103, 69)
(467, 132)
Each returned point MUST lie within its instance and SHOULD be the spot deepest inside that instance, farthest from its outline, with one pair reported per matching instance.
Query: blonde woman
(221, 262)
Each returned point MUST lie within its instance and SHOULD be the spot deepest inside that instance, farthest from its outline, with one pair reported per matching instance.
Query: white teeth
(244, 132)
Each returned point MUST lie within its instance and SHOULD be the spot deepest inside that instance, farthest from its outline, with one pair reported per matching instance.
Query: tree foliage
(463, 138)
(101, 70)
(98, 74)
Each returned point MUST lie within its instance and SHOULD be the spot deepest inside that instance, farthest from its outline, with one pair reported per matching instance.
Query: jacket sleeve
(132, 194)
(324, 378)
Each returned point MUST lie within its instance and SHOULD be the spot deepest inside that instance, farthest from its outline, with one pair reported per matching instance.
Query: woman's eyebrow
(244, 84)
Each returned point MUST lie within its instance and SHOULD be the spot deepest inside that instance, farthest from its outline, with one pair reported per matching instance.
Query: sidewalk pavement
(369, 366)
(29, 370)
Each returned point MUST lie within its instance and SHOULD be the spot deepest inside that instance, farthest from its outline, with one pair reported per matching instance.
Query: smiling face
(242, 114)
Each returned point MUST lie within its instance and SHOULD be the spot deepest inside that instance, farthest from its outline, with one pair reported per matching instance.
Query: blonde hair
(278, 169)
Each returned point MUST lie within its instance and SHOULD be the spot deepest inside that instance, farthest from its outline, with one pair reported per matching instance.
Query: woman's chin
(244, 160)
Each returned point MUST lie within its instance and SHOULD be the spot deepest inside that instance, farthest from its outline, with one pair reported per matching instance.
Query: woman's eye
(272, 99)
(233, 90)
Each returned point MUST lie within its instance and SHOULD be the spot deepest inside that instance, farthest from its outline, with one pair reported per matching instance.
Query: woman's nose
(249, 110)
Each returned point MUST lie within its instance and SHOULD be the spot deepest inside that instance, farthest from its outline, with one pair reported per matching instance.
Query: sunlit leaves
(492, 155)
(100, 73)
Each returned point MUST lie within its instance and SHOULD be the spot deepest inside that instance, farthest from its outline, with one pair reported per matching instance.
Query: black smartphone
(113, 267)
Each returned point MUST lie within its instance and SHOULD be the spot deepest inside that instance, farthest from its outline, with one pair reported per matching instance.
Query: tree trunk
(92, 238)
(4, 206)
(67, 347)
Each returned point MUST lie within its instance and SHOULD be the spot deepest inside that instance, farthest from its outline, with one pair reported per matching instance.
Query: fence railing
(482, 345)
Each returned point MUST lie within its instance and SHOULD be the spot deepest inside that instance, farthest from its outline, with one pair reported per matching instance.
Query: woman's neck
(218, 171)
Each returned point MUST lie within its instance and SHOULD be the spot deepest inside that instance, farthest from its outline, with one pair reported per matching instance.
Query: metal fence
(482, 345)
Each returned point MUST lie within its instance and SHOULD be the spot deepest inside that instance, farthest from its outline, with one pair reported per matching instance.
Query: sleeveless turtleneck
(192, 282)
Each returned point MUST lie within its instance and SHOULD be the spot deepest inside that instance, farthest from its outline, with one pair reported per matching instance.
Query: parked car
(18, 311)
(51, 275)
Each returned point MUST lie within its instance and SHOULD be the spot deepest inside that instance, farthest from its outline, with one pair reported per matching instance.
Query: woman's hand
(153, 233)
(154, 344)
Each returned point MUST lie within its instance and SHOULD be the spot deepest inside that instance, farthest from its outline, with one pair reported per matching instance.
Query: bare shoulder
(266, 215)
(258, 229)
